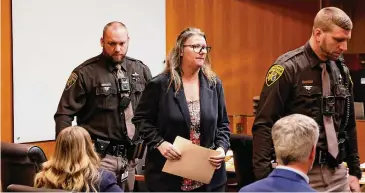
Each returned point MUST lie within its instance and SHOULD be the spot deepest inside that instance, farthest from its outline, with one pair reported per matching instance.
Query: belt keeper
(321, 157)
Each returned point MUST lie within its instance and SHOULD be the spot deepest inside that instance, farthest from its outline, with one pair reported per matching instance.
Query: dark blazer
(108, 182)
(280, 180)
(162, 115)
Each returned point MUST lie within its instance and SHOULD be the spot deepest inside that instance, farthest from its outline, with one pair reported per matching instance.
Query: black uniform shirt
(294, 85)
(91, 94)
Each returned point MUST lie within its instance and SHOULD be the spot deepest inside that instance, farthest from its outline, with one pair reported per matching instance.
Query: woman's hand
(354, 184)
(169, 151)
(217, 160)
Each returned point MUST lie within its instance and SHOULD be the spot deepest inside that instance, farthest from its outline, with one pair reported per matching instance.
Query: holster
(101, 146)
(136, 150)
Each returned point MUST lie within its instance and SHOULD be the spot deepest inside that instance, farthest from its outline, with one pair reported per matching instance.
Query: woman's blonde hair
(173, 61)
(74, 165)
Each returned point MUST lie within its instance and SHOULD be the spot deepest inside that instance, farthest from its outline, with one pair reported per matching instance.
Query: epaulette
(285, 57)
(89, 61)
(133, 59)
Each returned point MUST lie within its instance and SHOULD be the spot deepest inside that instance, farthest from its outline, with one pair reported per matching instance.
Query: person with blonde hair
(75, 165)
(186, 100)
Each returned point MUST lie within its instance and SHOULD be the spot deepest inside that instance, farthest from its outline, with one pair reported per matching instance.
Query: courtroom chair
(20, 163)
(256, 100)
(359, 110)
(241, 145)
(23, 188)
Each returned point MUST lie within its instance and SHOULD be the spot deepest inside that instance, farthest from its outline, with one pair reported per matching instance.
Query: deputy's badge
(71, 80)
(135, 76)
(274, 74)
(106, 88)
(308, 88)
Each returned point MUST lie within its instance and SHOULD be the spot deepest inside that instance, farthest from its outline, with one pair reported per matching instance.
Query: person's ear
(312, 155)
(101, 42)
(318, 33)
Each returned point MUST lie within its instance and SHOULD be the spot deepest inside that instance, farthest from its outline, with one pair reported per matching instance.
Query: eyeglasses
(197, 48)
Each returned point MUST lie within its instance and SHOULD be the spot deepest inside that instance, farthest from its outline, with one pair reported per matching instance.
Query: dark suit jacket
(280, 180)
(108, 182)
(162, 115)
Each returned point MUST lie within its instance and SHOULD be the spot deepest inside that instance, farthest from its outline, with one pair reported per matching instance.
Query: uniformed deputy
(103, 93)
(313, 80)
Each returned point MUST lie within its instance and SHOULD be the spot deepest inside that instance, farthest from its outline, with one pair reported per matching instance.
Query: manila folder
(194, 162)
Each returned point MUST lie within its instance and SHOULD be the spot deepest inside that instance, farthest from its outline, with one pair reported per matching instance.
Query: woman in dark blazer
(186, 100)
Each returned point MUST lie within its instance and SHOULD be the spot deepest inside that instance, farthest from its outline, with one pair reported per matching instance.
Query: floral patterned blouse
(194, 110)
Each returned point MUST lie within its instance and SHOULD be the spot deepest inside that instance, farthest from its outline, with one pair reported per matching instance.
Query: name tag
(124, 176)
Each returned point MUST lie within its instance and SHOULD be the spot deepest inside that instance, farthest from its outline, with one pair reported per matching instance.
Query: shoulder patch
(71, 80)
(274, 74)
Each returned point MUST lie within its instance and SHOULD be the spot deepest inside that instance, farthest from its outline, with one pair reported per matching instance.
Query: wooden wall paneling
(249, 124)
(352, 61)
(237, 124)
(357, 42)
(230, 118)
(6, 73)
(360, 126)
